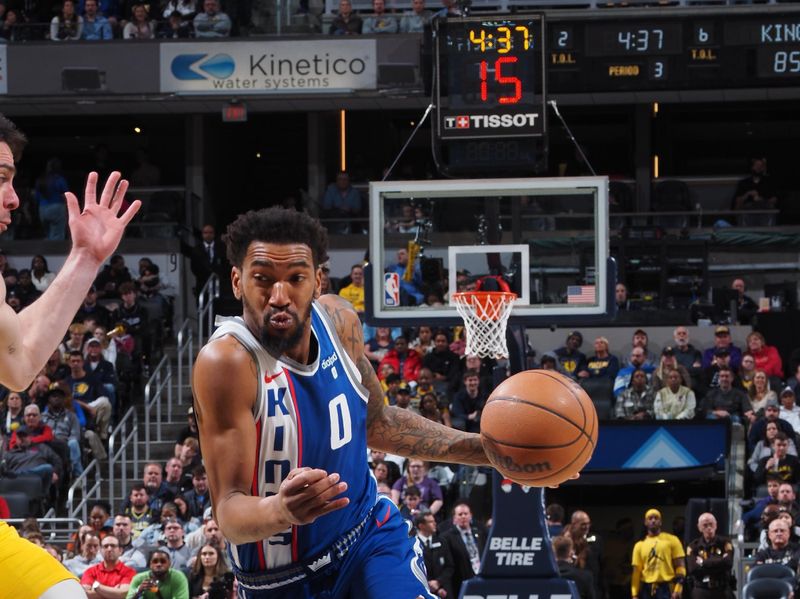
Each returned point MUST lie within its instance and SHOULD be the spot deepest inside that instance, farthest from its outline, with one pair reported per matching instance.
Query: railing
(57, 531)
(205, 309)
(125, 436)
(159, 382)
(184, 356)
(89, 493)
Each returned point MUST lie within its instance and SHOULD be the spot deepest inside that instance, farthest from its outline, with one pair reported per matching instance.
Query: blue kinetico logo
(185, 66)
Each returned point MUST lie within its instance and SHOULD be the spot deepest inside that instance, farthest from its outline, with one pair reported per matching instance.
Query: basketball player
(287, 403)
(27, 339)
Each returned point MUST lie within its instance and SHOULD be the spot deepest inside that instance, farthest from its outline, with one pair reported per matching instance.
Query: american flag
(580, 294)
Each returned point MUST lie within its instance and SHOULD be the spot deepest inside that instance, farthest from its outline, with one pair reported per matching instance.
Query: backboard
(544, 239)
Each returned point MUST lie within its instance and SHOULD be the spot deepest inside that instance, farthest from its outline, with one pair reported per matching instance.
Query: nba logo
(391, 289)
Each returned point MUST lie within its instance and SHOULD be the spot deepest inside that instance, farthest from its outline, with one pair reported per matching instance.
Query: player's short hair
(15, 138)
(275, 225)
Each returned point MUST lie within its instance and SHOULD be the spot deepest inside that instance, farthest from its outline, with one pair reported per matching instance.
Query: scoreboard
(695, 51)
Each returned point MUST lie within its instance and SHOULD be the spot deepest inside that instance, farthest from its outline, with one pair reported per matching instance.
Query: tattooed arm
(393, 429)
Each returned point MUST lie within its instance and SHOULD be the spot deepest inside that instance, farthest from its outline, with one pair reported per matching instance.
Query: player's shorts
(26, 570)
(385, 563)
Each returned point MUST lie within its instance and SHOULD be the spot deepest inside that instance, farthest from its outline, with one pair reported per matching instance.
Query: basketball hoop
(485, 315)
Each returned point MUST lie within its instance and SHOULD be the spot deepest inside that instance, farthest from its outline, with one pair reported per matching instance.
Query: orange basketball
(539, 428)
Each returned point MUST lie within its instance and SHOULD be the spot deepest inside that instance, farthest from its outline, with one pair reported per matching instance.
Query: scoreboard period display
(694, 51)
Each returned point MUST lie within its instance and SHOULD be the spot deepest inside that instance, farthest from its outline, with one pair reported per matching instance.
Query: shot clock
(490, 77)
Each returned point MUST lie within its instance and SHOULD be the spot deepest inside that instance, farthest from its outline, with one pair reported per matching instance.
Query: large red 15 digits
(502, 79)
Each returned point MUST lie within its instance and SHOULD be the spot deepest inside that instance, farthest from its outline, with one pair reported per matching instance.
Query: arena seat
(779, 571)
(602, 393)
(29, 486)
(18, 504)
(767, 588)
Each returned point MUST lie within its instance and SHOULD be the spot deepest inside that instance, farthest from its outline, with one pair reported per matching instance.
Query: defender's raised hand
(98, 228)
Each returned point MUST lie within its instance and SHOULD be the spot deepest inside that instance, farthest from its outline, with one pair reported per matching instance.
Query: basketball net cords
(486, 325)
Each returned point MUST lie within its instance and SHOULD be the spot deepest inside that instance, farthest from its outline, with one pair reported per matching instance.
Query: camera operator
(160, 581)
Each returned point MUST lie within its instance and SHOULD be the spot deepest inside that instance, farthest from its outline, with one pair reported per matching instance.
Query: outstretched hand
(98, 228)
(307, 494)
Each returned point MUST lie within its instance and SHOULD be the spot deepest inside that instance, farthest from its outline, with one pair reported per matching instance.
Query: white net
(485, 315)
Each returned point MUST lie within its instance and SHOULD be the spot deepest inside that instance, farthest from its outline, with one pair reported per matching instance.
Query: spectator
(687, 354)
(415, 20)
(760, 392)
(381, 472)
(190, 430)
(412, 504)
(49, 193)
(354, 292)
(175, 544)
(65, 425)
(12, 416)
(140, 27)
(437, 555)
(139, 510)
(91, 309)
(766, 356)
(722, 359)
(34, 460)
(564, 553)
(136, 320)
(780, 463)
(771, 414)
(640, 339)
(24, 289)
(658, 562)
(405, 362)
(101, 372)
(403, 399)
(346, 22)
(96, 27)
(443, 364)
(790, 412)
(602, 365)
(709, 561)
(67, 25)
(637, 361)
(209, 567)
(636, 402)
(554, 514)
(89, 396)
(468, 404)
(158, 491)
(209, 532)
(341, 201)
(189, 458)
(786, 498)
(198, 497)
(153, 535)
(667, 364)
(90, 548)
(37, 431)
(570, 359)
(764, 447)
(209, 258)
(41, 277)
(466, 543)
(417, 475)
(130, 555)
(423, 342)
(780, 550)
(379, 22)
(587, 548)
(111, 577)
(755, 192)
(9, 274)
(725, 401)
(722, 339)
(751, 518)
(160, 580)
(429, 408)
(380, 457)
(175, 27)
(212, 22)
(747, 371)
(674, 401)
(114, 274)
(746, 307)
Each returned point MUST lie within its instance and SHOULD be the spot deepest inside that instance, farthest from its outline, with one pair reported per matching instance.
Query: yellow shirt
(653, 556)
(354, 295)
(26, 570)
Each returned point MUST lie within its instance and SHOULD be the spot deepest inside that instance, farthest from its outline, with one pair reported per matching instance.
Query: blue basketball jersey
(306, 415)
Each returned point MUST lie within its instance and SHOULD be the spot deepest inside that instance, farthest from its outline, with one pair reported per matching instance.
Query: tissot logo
(196, 67)
(491, 121)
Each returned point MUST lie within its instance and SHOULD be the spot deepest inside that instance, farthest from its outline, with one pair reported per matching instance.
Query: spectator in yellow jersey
(658, 563)
(354, 292)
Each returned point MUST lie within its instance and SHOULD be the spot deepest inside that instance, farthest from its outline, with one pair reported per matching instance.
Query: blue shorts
(384, 562)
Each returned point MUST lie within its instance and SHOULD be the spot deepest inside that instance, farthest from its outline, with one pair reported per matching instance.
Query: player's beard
(279, 344)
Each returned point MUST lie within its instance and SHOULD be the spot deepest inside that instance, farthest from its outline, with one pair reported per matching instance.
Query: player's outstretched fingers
(110, 188)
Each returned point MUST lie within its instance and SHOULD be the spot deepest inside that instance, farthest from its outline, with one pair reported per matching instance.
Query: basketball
(539, 428)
